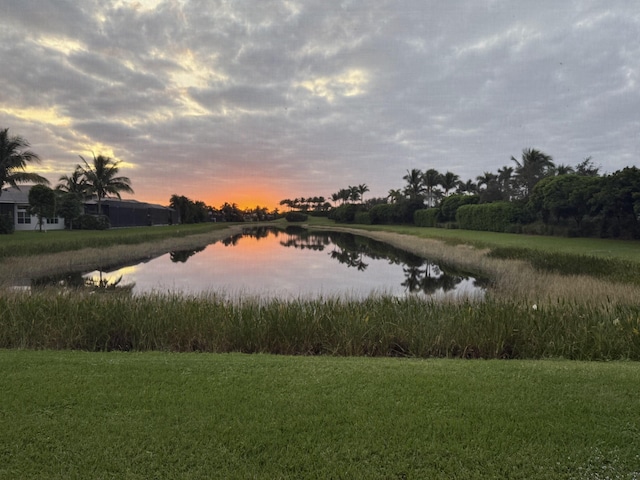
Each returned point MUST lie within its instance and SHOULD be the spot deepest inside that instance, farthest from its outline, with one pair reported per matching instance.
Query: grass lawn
(159, 415)
(34, 243)
(628, 250)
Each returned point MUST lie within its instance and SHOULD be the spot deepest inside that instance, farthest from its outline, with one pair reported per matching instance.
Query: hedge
(427, 217)
(493, 217)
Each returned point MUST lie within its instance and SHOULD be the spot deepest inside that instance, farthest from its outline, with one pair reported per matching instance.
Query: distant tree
(395, 195)
(101, 179)
(505, 180)
(448, 181)
(533, 167)
(15, 156)
(42, 202)
(431, 179)
(415, 186)
(75, 183)
(362, 189)
(287, 202)
(468, 187)
(69, 206)
(619, 202)
(563, 169)
(586, 168)
(354, 193)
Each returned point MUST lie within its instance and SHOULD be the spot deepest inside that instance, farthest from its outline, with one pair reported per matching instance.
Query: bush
(427, 217)
(94, 222)
(493, 217)
(363, 218)
(345, 213)
(296, 217)
(384, 214)
(450, 205)
(6, 224)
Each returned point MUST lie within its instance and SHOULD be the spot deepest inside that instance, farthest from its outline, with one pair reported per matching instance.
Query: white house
(15, 202)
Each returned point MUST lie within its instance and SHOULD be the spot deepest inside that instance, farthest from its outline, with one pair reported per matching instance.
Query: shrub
(345, 213)
(363, 218)
(450, 205)
(94, 222)
(384, 214)
(426, 217)
(296, 217)
(6, 224)
(493, 217)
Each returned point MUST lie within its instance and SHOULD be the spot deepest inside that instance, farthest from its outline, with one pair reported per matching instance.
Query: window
(23, 216)
(52, 221)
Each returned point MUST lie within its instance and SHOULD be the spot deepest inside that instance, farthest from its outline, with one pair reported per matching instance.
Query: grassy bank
(378, 326)
(26, 243)
(76, 415)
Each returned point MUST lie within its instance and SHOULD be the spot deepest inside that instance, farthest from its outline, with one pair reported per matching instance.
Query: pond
(293, 263)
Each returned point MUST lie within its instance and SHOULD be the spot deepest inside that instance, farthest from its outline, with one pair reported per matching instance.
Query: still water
(271, 263)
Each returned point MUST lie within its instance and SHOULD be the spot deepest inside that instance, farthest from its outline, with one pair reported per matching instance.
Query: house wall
(23, 221)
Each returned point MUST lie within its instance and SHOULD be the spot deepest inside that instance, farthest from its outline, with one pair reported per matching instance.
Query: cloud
(305, 97)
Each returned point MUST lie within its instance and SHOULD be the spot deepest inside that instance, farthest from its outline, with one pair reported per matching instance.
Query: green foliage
(296, 217)
(619, 202)
(93, 222)
(345, 213)
(197, 212)
(6, 224)
(377, 326)
(493, 217)
(42, 202)
(15, 157)
(69, 207)
(384, 214)
(427, 217)
(449, 206)
(362, 218)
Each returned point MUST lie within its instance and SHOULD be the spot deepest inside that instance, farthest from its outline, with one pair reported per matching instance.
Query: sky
(252, 102)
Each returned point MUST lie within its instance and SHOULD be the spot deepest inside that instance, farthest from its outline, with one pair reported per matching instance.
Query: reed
(377, 326)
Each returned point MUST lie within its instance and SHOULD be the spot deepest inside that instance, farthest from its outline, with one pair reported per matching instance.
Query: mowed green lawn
(597, 247)
(158, 415)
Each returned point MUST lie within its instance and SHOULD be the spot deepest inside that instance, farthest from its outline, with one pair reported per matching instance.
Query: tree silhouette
(14, 159)
(101, 179)
(533, 167)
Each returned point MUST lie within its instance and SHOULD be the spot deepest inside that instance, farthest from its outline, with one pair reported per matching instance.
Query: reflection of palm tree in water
(350, 259)
(429, 280)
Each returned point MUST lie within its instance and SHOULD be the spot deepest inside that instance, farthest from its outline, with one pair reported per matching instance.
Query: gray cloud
(305, 97)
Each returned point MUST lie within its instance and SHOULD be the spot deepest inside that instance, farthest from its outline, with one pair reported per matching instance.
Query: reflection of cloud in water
(294, 263)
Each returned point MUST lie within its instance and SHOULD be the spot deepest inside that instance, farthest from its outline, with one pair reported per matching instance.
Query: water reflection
(272, 263)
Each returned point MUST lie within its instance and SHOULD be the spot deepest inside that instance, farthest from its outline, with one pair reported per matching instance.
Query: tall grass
(378, 326)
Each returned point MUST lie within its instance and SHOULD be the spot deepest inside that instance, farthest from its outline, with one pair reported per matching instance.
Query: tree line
(532, 194)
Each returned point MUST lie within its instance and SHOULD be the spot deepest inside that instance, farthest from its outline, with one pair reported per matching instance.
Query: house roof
(21, 196)
(16, 195)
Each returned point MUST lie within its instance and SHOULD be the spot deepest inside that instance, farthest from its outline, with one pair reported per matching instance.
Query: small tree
(69, 207)
(42, 202)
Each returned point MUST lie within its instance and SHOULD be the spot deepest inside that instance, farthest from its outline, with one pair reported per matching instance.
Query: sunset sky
(256, 101)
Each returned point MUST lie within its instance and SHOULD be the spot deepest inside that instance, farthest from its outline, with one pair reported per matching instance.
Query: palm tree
(486, 179)
(505, 180)
(533, 167)
(395, 195)
(415, 187)
(354, 193)
(467, 187)
(362, 189)
(564, 169)
(102, 180)
(75, 183)
(448, 181)
(431, 179)
(14, 158)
